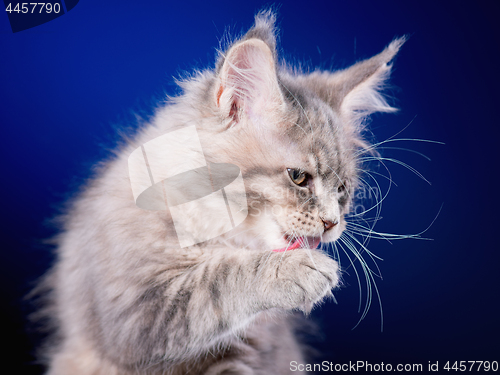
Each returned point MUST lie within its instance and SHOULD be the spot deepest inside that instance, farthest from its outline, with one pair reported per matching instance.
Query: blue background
(66, 87)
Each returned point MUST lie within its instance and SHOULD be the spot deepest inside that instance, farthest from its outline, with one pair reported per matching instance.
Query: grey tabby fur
(126, 299)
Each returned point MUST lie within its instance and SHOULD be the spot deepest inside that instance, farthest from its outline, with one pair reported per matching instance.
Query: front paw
(298, 279)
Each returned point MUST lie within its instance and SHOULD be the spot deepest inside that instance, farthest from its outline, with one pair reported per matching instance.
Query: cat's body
(127, 299)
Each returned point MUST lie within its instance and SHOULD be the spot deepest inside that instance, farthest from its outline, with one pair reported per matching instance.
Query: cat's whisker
(406, 149)
(376, 195)
(392, 138)
(340, 241)
(377, 145)
(367, 232)
(396, 161)
(377, 217)
(359, 229)
(301, 128)
(365, 249)
(370, 282)
(378, 205)
(369, 274)
(368, 172)
(340, 180)
(358, 254)
(336, 254)
(305, 202)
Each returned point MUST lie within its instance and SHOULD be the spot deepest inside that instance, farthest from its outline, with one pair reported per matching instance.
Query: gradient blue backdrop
(65, 87)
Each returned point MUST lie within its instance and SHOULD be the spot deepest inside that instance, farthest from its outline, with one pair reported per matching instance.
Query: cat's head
(296, 136)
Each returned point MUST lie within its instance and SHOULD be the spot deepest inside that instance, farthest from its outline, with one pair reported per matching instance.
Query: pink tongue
(300, 241)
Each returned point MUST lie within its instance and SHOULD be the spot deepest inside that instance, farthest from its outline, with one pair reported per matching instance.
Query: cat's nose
(329, 224)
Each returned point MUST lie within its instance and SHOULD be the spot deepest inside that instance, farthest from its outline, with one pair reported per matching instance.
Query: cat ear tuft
(363, 83)
(264, 29)
(247, 81)
(356, 92)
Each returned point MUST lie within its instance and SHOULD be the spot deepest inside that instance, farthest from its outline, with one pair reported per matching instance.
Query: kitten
(127, 298)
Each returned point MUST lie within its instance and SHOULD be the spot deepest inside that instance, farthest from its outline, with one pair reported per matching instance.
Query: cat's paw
(301, 279)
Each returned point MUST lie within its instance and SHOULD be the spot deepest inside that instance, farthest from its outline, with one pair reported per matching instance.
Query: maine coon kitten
(127, 299)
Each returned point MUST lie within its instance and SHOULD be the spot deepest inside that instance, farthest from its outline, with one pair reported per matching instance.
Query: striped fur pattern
(126, 299)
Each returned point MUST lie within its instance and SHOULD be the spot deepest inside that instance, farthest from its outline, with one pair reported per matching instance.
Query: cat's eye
(341, 188)
(298, 177)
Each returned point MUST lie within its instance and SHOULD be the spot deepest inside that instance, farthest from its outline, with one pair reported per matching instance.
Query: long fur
(127, 299)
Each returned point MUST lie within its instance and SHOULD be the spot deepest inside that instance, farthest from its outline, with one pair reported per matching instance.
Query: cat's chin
(299, 243)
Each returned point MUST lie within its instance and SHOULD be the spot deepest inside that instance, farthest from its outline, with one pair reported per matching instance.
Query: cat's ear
(247, 83)
(356, 91)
